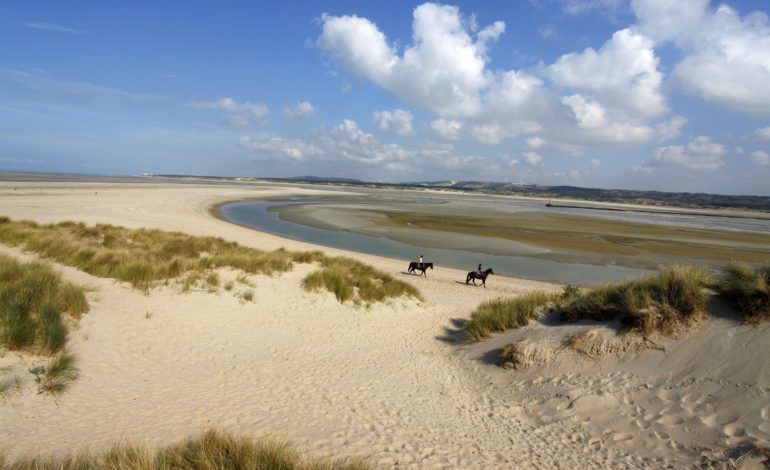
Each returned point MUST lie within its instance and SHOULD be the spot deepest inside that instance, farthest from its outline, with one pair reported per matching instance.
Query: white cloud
(294, 149)
(700, 155)
(397, 121)
(239, 114)
(445, 72)
(300, 110)
(761, 158)
(670, 128)
(762, 134)
(53, 27)
(442, 71)
(547, 31)
(345, 142)
(740, 150)
(449, 129)
(595, 163)
(532, 158)
(727, 58)
(535, 142)
(623, 73)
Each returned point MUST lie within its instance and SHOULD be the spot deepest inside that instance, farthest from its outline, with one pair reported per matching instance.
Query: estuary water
(264, 215)
(254, 214)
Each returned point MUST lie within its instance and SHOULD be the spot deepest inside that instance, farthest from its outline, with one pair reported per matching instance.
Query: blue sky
(643, 94)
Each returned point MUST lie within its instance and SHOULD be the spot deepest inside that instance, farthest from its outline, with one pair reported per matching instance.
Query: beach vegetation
(211, 450)
(33, 298)
(503, 314)
(747, 289)
(54, 377)
(668, 302)
(148, 257)
(349, 279)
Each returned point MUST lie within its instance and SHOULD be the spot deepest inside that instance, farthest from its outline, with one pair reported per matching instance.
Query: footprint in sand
(670, 420)
(621, 436)
(734, 430)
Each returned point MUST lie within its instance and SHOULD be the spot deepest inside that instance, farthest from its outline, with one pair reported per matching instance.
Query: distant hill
(324, 179)
(653, 198)
(629, 196)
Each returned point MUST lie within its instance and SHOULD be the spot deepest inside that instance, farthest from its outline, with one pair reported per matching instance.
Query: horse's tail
(467, 279)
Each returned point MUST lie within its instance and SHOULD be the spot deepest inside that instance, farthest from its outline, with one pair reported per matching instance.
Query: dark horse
(473, 275)
(415, 266)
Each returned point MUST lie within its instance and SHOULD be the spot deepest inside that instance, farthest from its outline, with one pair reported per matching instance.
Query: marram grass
(668, 302)
(349, 279)
(33, 298)
(147, 257)
(503, 314)
(748, 291)
(214, 450)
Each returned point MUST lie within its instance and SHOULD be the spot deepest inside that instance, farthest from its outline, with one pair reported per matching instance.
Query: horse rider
(479, 270)
(421, 263)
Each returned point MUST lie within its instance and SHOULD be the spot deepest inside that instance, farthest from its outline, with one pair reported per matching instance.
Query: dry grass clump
(32, 299)
(213, 450)
(145, 257)
(527, 353)
(57, 375)
(668, 302)
(596, 344)
(503, 314)
(748, 290)
(349, 279)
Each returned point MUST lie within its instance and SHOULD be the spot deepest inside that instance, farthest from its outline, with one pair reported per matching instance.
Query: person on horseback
(422, 266)
(479, 270)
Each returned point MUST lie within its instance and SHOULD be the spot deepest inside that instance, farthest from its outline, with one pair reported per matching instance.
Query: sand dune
(376, 382)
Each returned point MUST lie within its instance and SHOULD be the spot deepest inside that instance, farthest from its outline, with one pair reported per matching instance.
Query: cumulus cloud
(761, 158)
(448, 129)
(238, 114)
(623, 73)
(300, 110)
(535, 142)
(670, 128)
(700, 155)
(611, 94)
(727, 57)
(442, 71)
(345, 142)
(397, 121)
(294, 149)
(762, 134)
(532, 158)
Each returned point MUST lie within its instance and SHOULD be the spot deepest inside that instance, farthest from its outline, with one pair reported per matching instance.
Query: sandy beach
(383, 382)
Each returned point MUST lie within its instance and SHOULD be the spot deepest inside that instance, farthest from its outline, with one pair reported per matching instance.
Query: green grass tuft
(56, 376)
(53, 332)
(349, 279)
(32, 298)
(503, 314)
(667, 302)
(748, 291)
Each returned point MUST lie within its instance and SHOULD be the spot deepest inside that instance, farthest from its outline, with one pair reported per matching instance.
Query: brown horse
(415, 266)
(473, 275)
